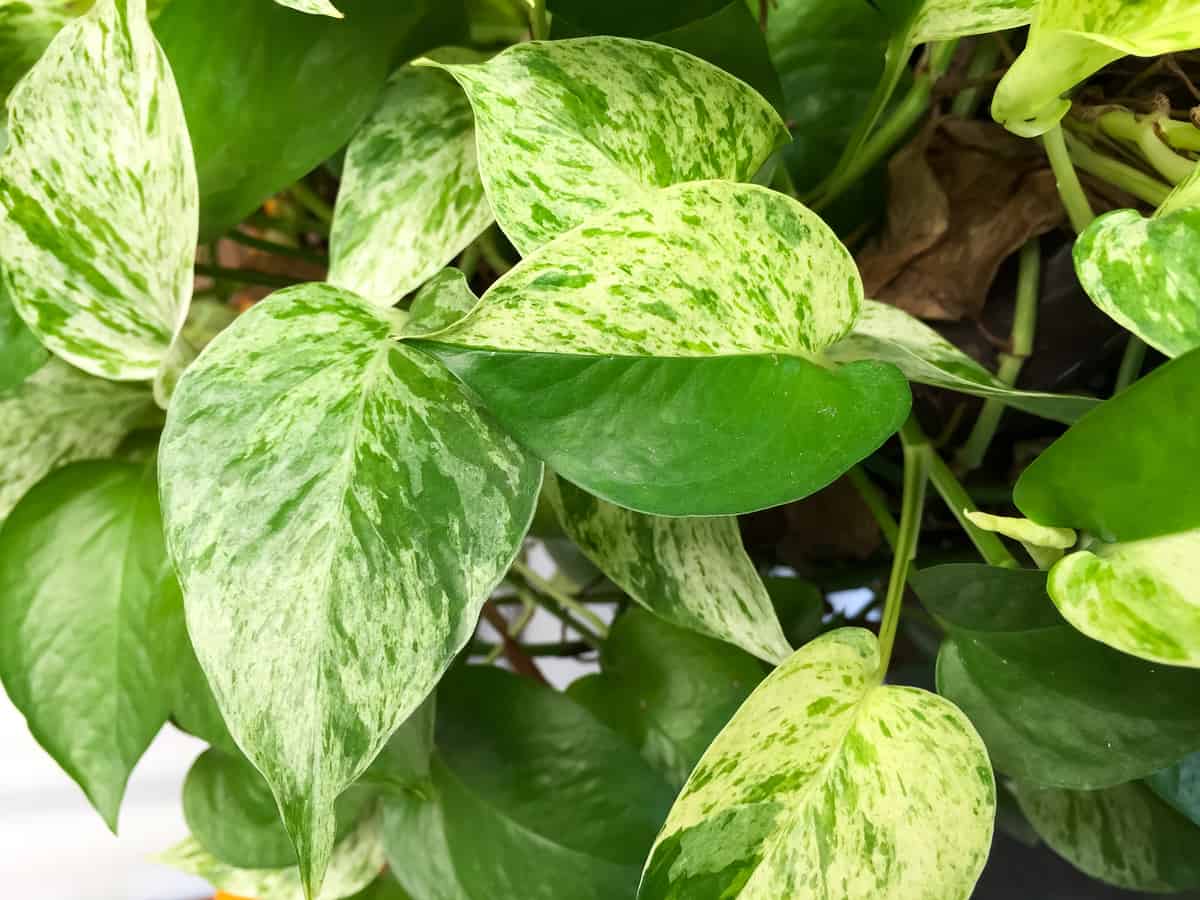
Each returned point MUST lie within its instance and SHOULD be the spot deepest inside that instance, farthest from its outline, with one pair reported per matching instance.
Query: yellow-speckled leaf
(828, 784)
(693, 572)
(58, 415)
(886, 333)
(1123, 835)
(640, 281)
(1141, 597)
(356, 862)
(1072, 39)
(337, 511)
(312, 7)
(410, 198)
(569, 128)
(99, 207)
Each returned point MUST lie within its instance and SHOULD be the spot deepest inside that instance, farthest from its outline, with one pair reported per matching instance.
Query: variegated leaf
(828, 784)
(26, 28)
(59, 415)
(943, 20)
(1141, 597)
(355, 863)
(99, 190)
(87, 643)
(1143, 273)
(692, 572)
(570, 128)
(304, 432)
(440, 302)
(410, 198)
(312, 7)
(1123, 835)
(1072, 39)
(639, 281)
(889, 334)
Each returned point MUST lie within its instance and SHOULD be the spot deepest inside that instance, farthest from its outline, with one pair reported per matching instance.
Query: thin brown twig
(521, 662)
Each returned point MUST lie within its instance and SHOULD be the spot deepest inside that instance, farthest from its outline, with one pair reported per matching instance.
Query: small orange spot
(271, 207)
(221, 895)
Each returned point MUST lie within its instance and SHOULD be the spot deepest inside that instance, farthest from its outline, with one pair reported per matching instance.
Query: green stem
(1143, 133)
(956, 497)
(987, 54)
(1131, 363)
(971, 455)
(876, 502)
(245, 276)
(277, 249)
(309, 199)
(1126, 177)
(916, 474)
(539, 27)
(566, 601)
(1079, 210)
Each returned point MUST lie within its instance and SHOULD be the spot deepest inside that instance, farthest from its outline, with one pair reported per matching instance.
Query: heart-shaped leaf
(692, 572)
(603, 121)
(668, 690)
(410, 198)
(1123, 835)
(87, 644)
(573, 804)
(625, 325)
(1143, 273)
(827, 783)
(355, 863)
(886, 333)
(407, 506)
(259, 120)
(1116, 472)
(59, 415)
(1072, 39)
(1053, 706)
(98, 247)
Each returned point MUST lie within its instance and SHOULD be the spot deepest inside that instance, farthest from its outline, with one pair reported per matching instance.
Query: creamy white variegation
(1122, 835)
(1073, 39)
(1024, 530)
(442, 300)
(828, 784)
(569, 128)
(410, 198)
(357, 860)
(26, 28)
(312, 7)
(99, 206)
(707, 268)
(1141, 597)
(693, 572)
(943, 20)
(1144, 273)
(59, 415)
(889, 334)
(338, 512)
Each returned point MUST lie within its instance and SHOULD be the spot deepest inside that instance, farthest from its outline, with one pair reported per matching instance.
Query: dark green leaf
(270, 94)
(88, 637)
(799, 606)
(1053, 706)
(1120, 472)
(1179, 785)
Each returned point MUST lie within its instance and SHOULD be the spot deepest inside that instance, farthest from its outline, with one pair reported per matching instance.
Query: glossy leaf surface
(669, 691)
(258, 120)
(406, 505)
(532, 793)
(86, 643)
(1053, 706)
(888, 334)
(1072, 39)
(1115, 473)
(99, 190)
(826, 783)
(603, 121)
(1143, 273)
(1123, 835)
(410, 198)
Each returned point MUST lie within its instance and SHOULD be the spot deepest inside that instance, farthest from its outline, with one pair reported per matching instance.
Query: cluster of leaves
(279, 529)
